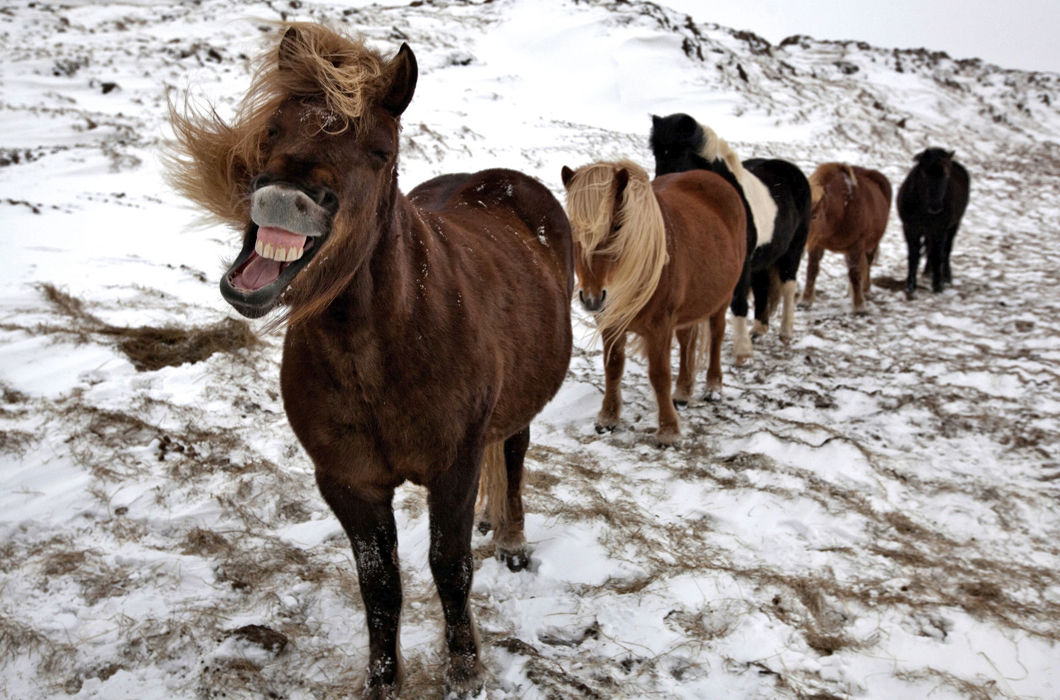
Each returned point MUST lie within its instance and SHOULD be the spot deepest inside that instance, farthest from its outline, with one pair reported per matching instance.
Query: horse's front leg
(935, 246)
(451, 506)
(947, 273)
(614, 365)
(686, 373)
(369, 524)
(912, 243)
(658, 343)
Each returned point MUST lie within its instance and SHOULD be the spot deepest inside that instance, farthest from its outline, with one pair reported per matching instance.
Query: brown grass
(149, 348)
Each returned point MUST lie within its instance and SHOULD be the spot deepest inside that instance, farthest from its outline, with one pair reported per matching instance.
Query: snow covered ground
(873, 511)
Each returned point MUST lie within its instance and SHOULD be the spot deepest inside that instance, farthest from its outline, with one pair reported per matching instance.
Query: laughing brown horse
(420, 330)
(655, 258)
(849, 216)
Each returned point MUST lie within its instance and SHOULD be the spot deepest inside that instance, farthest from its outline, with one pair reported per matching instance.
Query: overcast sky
(1010, 33)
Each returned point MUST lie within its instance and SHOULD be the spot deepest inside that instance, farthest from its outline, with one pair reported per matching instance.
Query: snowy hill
(870, 512)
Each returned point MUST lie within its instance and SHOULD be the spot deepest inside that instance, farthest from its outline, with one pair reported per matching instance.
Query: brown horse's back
(521, 220)
(705, 263)
(851, 205)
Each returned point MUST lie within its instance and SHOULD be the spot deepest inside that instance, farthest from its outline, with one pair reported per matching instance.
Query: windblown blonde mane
(212, 161)
(639, 245)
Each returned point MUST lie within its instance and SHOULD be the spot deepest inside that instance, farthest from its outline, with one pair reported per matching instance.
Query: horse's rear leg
(813, 266)
(857, 270)
(717, 332)
(741, 339)
(614, 365)
(658, 343)
(686, 373)
(761, 284)
(508, 536)
(787, 268)
(369, 524)
(451, 504)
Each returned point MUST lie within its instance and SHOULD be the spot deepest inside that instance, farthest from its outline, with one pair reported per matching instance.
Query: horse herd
(425, 332)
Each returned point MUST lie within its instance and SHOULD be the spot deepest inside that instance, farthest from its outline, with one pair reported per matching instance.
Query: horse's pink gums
(280, 238)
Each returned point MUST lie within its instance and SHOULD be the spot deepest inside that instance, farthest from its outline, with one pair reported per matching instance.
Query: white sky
(1009, 33)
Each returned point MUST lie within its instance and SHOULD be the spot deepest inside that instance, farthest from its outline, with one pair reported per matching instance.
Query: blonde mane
(638, 246)
(763, 207)
(212, 161)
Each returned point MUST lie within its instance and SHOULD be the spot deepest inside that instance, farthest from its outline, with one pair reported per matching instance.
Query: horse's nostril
(260, 181)
(328, 199)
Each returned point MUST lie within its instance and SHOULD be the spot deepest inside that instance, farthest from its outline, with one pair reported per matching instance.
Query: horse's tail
(850, 178)
(493, 486)
(702, 349)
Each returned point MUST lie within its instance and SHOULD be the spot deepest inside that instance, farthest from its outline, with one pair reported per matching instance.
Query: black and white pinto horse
(776, 195)
(931, 202)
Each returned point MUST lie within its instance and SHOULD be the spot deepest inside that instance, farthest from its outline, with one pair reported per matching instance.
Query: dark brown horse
(420, 330)
(931, 202)
(654, 258)
(850, 209)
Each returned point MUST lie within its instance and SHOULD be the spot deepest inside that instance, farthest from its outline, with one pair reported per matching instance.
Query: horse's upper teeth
(277, 252)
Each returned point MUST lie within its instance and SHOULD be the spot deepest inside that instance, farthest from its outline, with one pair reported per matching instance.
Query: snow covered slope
(870, 512)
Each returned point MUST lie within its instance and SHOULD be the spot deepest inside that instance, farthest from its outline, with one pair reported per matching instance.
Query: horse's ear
(567, 175)
(655, 119)
(687, 125)
(918, 156)
(949, 154)
(403, 71)
(621, 180)
(288, 48)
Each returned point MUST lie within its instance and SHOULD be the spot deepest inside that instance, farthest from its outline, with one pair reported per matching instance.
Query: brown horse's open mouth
(270, 260)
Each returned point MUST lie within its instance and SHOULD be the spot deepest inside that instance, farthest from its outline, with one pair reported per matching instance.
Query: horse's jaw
(256, 281)
(286, 230)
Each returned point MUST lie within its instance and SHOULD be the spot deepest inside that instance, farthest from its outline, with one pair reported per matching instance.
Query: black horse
(776, 195)
(931, 203)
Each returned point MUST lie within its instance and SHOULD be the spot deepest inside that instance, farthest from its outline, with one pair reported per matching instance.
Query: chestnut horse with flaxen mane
(421, 330)
(850, 209)
(655, 258)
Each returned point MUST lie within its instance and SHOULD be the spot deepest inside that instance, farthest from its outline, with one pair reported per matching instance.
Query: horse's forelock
(640, 248)
(213, 161)
(315, 62)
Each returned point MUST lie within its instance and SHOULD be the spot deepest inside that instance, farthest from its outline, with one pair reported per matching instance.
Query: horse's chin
(255, 295)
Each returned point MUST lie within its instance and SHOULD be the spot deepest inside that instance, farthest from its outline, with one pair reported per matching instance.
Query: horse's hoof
(464, 678)
(713, 395)
(484, 526)
(803, 304)
(680, 403)
(602, 428)
(385, 691)
(910, 295)
(861, 313)
(785, 338)
(742, 360)
(516, 560)
(667, 438)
